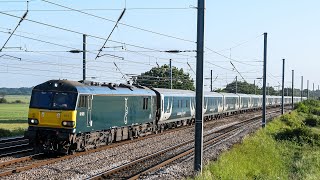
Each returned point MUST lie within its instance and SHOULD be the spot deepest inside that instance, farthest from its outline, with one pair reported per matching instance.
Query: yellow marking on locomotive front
(52, 118)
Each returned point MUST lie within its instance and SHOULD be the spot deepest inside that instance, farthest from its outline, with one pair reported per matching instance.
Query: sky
(39, 49)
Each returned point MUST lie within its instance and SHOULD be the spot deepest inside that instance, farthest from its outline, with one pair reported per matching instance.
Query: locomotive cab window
(53, 100)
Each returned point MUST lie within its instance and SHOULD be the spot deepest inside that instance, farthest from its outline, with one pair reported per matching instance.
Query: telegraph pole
(255, 89)
(264, 81)
(292, 88)
(198, 145)
(170, 74)
(282, 100)
(84, 58)
(236, 84)
(211, 82)
(301, 87)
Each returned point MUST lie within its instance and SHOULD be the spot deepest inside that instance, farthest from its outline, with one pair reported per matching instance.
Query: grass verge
(288, 148)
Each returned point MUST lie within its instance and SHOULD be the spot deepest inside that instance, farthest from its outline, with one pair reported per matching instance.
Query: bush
(18, 102)
(315, 110)
(312, 121)
(301, 135)
(7, 133)
(301, 107)
(291, 120)
(3, 100)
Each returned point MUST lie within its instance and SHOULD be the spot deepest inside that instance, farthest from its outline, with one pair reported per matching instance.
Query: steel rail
(16, 162)
(126, 167)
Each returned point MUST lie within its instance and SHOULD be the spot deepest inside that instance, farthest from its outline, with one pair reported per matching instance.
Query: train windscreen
(53, 100)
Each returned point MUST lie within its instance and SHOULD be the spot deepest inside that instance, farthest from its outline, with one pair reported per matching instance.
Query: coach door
(85, 109)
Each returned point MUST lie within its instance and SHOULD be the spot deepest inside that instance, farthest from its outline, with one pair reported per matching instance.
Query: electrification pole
(307, 89)
(170, 74)
(236, 84)
(84, 58)
(292, 88)
(282, 100)
(313, 91)
(301, 87)
(199, 90)
(268, 89)
(211, 83)
(264, 81)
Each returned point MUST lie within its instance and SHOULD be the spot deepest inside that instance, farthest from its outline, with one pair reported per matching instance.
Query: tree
(159, 77)
(243, 87)
(2, 94)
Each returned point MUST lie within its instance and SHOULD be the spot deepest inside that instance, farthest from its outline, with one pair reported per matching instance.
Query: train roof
(229, 95)
(175, 92)
(95, 88)
(244, 95)
(213, 94)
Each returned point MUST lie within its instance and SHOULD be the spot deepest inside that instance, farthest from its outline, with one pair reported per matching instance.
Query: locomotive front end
(52, 117)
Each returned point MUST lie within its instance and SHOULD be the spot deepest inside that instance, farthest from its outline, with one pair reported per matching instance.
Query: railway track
(134, 169)
(13, 146)
(33, 161)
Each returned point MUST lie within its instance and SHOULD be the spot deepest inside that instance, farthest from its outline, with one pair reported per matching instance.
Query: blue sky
(291, 26)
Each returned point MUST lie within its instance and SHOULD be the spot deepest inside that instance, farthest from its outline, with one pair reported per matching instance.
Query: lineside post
(199, 89)
(211, 88)
(307, 89)
(84, 58)
(313, 91)
(264, 81)
(255, 90)
(292, 93)
(301, 87)
(170, 73)
(236, 84)
(282, 100)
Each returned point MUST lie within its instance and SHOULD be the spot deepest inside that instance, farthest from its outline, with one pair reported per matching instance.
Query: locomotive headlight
(33, 121)
(68, 123)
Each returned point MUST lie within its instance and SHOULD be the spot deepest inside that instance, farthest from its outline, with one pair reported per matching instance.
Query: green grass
(14, 126)
(14, 111)
(13, 117)
(289, 148)
(23, 98)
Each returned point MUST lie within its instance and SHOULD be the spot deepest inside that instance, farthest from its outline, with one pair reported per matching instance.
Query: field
(13, 116)
(23, 98)
(288, 148)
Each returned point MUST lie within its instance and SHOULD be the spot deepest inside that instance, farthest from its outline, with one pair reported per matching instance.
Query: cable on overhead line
(131, 26)
(21, 19)
(103, 46)
(229, 57)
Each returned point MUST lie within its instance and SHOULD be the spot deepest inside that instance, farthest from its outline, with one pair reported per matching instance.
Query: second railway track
(134, 169)
(30, 162)
(12, 146)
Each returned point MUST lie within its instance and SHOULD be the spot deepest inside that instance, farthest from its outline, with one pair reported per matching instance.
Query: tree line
(15, 91)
